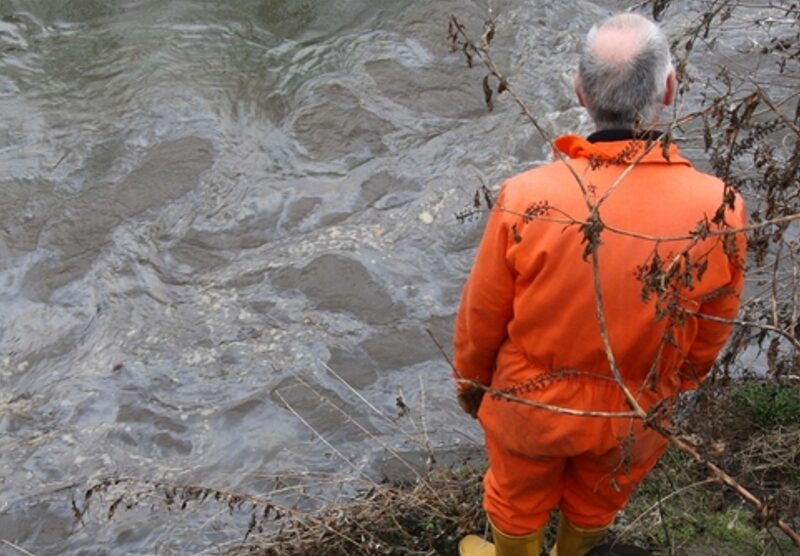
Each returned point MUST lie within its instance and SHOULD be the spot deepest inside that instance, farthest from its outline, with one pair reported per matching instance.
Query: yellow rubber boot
(504, 545)
(572, 540)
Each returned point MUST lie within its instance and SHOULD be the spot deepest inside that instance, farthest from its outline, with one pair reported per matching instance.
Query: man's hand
(469, 398)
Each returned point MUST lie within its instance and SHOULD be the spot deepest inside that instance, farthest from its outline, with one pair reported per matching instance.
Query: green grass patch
(769, 404)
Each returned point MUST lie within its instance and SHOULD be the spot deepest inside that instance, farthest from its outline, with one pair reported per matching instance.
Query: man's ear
(579, 92)
(671, 87)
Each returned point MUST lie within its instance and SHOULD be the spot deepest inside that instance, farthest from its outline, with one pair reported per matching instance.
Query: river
(206, 205)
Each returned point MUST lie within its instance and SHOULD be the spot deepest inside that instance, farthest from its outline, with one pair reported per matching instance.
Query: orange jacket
(530, 295)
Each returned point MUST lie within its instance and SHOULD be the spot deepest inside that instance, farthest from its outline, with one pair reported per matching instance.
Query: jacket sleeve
(712, 334)
(486, 303)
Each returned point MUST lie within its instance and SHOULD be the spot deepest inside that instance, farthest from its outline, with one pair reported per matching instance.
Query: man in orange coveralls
(528, 327)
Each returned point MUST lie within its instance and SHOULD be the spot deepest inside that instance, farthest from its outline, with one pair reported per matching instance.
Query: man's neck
(605, 135)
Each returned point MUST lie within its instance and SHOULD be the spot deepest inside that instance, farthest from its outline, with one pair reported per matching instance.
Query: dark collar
(605, 135)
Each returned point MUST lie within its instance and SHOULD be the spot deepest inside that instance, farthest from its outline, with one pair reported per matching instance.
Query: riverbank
(750, 428)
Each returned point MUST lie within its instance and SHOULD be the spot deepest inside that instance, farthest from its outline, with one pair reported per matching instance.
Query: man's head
(625, 76)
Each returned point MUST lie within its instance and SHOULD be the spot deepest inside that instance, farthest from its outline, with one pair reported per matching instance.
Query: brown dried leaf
(707, 137)
(488, 35)
(487, 92)
(113, 507)
(515, 233)
(251, 526)
(487, 197)
(665, 142)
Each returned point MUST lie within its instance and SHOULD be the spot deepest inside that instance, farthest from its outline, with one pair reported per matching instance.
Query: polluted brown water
(224, 230)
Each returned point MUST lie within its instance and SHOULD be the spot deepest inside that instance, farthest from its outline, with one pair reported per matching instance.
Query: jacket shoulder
(544, 182)
(712, 192)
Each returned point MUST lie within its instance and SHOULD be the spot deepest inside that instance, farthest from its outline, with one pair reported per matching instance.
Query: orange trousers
(520, 492)
(587, 467)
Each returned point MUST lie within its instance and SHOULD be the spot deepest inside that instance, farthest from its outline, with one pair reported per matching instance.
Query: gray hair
(627, 92)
